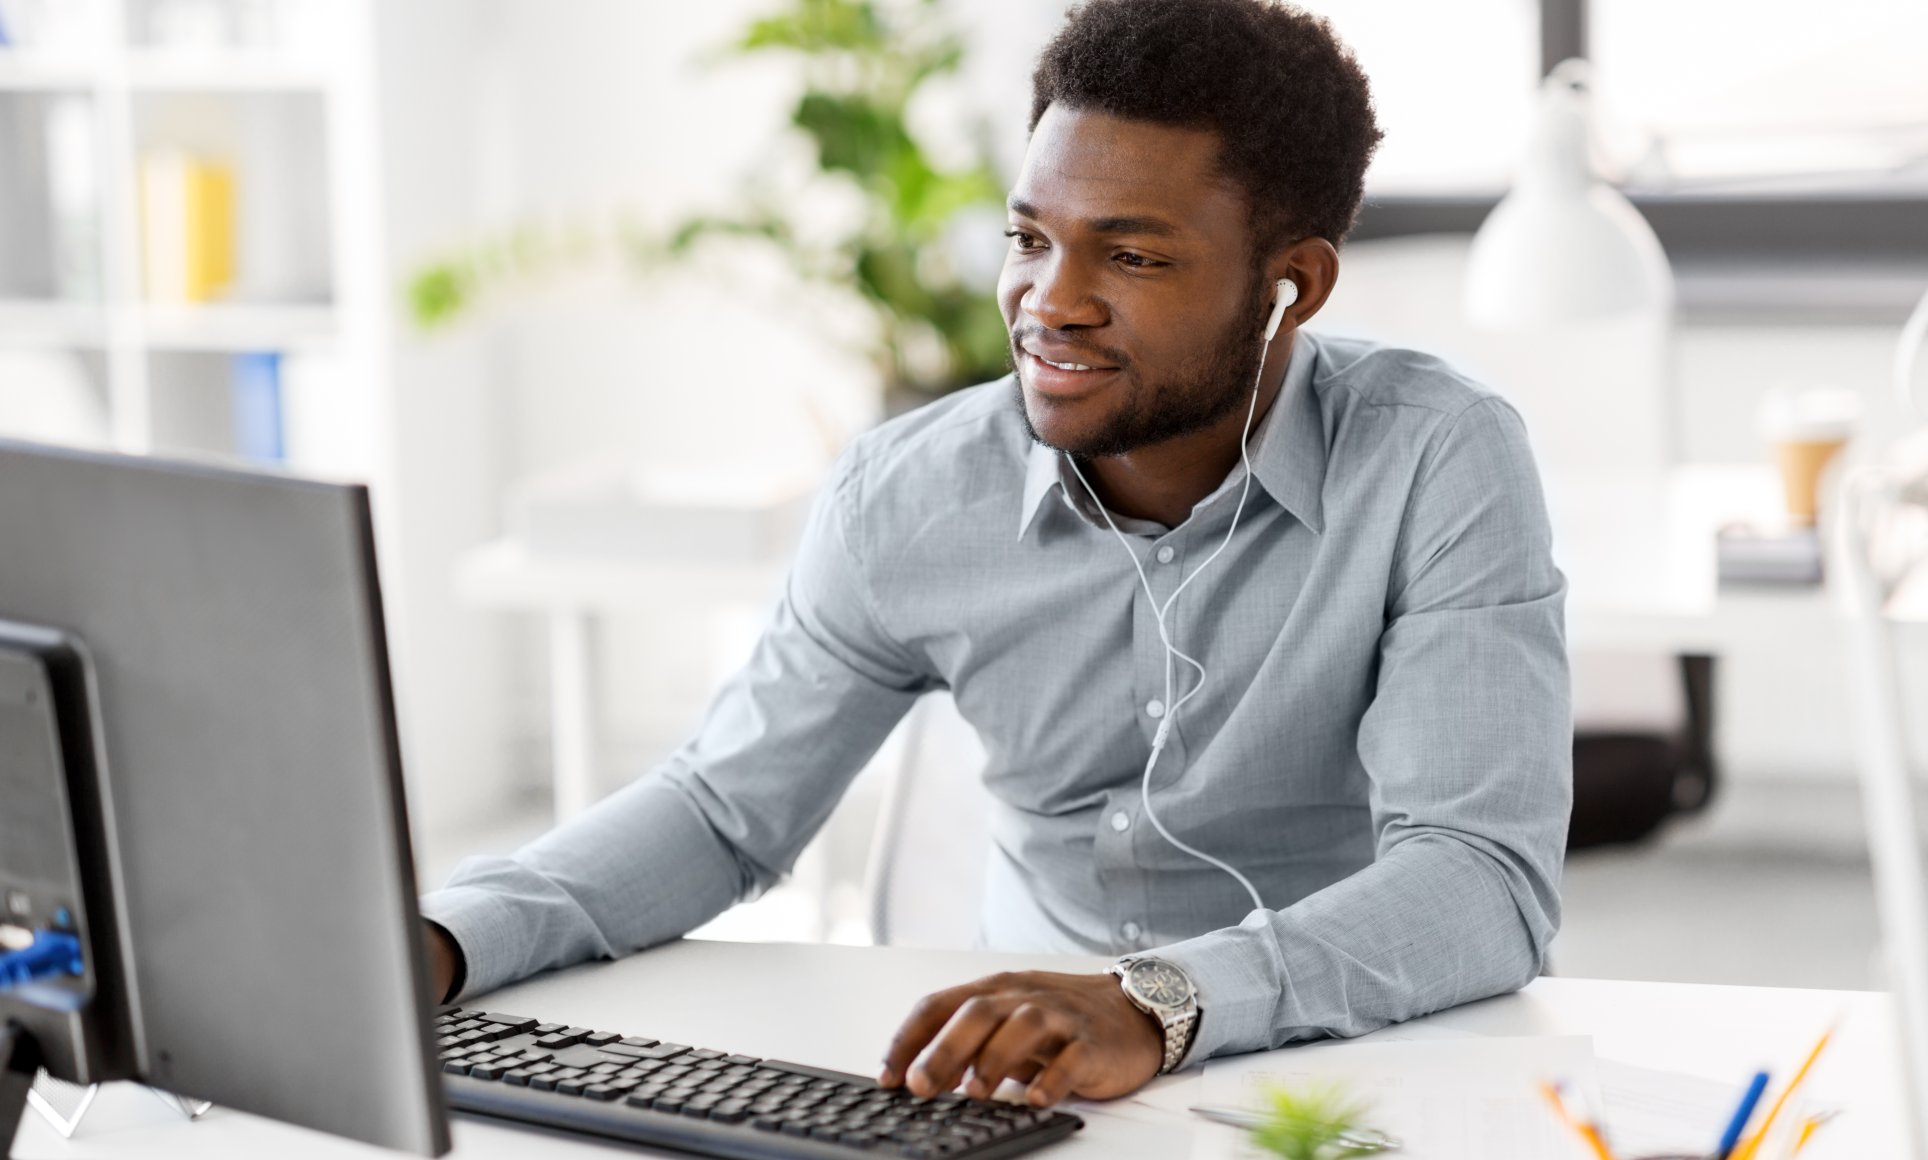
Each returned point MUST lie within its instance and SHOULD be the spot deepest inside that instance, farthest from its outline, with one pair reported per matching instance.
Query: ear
(1312, 265)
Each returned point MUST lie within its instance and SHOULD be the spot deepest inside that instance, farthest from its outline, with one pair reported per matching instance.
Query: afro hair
(1289, 104)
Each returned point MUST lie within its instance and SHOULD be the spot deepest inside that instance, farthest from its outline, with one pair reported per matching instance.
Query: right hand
(444, 959)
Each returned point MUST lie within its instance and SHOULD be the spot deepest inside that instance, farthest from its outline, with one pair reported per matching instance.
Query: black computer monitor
(205, 874)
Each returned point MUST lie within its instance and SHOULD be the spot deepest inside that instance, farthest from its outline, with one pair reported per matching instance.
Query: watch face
(1160, 984)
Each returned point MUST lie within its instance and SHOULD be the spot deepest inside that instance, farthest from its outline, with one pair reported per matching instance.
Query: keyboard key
(598, 1038)
(455, 1067)
(558, 1040)
(572, 1087)
(706, 1053)
(545, 1083)
(601, 1091)
(639, 1041)
(724, 1114)
(520, 1023)
(546, 1029)
(667, 1103)
(518, 1077)
(767, 1123)
(488, 1071)
(747, 1060)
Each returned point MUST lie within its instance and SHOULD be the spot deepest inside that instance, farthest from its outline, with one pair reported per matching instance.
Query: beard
(1186, 402)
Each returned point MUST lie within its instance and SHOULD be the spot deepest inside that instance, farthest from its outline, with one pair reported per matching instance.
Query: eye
(1137, 261)
(1026, 243)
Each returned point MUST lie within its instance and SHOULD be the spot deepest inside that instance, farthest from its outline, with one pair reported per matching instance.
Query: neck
(1165, 481)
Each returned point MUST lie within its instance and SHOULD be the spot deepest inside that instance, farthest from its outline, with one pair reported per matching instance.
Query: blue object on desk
(53, 952)
(255, 404)
(1732, 1135)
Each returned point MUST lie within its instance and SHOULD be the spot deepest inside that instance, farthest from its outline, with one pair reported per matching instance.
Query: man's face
(1133, 258)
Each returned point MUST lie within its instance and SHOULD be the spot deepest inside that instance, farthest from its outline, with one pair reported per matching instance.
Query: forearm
(641, 867)
(1440, 920)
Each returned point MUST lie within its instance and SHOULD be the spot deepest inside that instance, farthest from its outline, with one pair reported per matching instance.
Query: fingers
(1028, 1037)
(1064, 1075)
(924, 1022)
(941, 1064)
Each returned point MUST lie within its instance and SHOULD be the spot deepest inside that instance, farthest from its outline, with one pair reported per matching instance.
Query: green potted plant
(863, 61)
(1314, 1123)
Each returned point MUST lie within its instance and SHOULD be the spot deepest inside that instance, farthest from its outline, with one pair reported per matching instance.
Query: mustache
(1100, 355)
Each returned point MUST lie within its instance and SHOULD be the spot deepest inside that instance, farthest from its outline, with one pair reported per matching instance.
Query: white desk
(836, 1007)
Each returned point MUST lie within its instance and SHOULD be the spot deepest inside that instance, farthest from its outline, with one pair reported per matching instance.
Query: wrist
(447, 968)
(1164, 994)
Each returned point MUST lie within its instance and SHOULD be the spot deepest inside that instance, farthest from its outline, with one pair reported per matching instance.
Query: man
(1374, 736)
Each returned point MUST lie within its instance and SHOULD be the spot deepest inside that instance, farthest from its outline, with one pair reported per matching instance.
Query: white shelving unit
(284, 103)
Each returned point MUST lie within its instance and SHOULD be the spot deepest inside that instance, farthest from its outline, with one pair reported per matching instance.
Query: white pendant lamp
(1563, 244)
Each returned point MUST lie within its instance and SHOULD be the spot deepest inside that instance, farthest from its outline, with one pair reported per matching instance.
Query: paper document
(1650, 1112)
(1457, 1099)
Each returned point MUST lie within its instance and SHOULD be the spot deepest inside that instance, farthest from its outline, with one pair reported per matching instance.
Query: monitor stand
(19, 1062)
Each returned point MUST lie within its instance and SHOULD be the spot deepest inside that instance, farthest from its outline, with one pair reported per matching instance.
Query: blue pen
(1742, 1114)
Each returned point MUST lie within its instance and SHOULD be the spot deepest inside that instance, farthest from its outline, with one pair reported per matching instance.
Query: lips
(1063, 380)
(1061, 372)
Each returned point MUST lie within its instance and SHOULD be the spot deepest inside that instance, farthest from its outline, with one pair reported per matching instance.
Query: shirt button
(1131, 931)
(1155, 707)
(1121, 821)
(1165, 554)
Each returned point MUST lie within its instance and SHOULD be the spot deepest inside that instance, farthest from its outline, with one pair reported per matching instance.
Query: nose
(1061, 295)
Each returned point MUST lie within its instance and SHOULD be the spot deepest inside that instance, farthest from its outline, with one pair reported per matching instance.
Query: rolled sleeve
(1467, 742)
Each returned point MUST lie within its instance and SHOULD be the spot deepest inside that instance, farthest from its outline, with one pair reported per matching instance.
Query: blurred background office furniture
(570, 593)
(857, 996)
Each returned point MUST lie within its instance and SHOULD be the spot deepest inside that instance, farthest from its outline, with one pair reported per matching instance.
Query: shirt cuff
(484, 927)
(1238, 995)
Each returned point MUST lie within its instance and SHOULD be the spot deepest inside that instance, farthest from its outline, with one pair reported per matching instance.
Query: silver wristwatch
(1164, 992)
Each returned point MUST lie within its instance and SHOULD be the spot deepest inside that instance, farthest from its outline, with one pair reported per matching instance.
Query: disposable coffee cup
(1806, 430)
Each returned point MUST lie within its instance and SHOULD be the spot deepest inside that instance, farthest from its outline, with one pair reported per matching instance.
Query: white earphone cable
(1171, 651)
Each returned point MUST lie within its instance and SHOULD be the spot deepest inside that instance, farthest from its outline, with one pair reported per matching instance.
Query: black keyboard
(699, 1100)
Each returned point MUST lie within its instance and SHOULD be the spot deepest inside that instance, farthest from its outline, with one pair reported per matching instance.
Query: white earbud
(1288, 293)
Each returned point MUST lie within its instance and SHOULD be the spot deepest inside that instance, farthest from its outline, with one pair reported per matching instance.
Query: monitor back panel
(266, 887)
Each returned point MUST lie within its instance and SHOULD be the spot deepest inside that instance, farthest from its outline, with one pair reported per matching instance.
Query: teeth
(1063, 366)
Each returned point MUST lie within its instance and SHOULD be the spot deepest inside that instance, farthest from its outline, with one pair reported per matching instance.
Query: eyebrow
(1158, 227)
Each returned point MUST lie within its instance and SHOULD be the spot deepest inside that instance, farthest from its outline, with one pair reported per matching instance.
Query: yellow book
(187, 220)
(210, 230)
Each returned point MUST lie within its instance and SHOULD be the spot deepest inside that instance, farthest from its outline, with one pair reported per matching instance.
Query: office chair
(924, 877)
(1880, 552)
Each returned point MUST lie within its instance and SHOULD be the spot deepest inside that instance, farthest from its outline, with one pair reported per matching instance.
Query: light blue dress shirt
(1383, 745)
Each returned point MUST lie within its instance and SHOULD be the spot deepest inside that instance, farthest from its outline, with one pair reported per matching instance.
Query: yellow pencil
(1586, 1132)
(1746, 1151)
(1807, 1129)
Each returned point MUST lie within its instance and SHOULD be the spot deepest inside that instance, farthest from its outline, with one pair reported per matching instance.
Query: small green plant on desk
(1314, 1122)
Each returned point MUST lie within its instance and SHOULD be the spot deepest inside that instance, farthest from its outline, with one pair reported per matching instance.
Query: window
(1771, 94)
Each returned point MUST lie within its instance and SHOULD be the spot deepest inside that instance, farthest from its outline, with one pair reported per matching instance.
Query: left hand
(1061, 1034)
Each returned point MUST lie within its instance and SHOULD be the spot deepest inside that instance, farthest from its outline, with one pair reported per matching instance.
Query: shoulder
(965, 448)
(1352, 373)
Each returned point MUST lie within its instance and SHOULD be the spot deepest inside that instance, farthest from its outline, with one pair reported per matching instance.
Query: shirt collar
(1288, 451)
